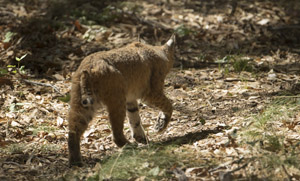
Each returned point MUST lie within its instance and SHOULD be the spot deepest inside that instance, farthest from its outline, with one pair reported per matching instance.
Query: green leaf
(3, 71)
(11, 66)
(12, 107)
(19, 59)
(8, 36)
(154, 171)
(65, 98)
(22, 69)
(23, 56)
(202, 121)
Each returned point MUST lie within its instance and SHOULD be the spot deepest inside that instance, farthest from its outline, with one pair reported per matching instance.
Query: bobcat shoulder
(117, 79)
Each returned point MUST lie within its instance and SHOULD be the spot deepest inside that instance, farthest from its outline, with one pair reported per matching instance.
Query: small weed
(9, 36)
(235, 63)
(65, 98)
(182, 31)
(16, 107)
(45, 128)
(240, 65)
(3, 72)
(15, 69)
(15, 148)
(49, 148)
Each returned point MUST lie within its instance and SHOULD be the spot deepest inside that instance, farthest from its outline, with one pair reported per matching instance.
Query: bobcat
(116, 79)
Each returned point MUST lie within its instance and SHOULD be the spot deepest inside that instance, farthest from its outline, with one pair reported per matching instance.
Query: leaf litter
(224, 111)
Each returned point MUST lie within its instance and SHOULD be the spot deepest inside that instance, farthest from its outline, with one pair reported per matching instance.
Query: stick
(42, 84)
(224, 165)
(287, 96)
(285, 171)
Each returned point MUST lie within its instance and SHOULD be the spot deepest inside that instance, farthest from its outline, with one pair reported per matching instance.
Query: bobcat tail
(86, 94)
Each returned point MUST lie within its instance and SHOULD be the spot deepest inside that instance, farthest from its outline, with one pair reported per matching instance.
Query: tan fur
(116, 79)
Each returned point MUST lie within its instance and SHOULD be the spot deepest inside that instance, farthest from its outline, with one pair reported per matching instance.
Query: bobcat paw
(121, 142)
(75, 163)
(140, 139)
(75, 160)
(162, 122)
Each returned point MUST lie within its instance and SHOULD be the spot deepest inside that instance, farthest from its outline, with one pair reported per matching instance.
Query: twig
(179, 174)
(14, 163)
(285, 171)
(224, 165)
(238, 79)
(286, 27)
(287, 96)
(227, 176)
(42, 84)
(28, 162)
(239, 168)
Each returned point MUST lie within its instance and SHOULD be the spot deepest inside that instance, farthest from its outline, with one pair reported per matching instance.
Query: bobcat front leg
(159, 100)
(79, 117)
(137, 131)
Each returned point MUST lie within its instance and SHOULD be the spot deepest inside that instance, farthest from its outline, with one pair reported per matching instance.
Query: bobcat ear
(171, 42)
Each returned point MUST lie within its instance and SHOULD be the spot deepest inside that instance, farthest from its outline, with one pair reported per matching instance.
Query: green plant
(66, 98)
(235, 63)
(240, 65)
(17, 69)
(49, 148)
(182, 31)
(15, 148)
(267, 137)
(8, 36)
(3, 72)
(45, 128)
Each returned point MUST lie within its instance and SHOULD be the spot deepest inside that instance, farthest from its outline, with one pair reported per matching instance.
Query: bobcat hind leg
(117, 112)
(137, 131)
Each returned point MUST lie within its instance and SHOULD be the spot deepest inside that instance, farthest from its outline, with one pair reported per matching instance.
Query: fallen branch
(15, 163)
(286, 27)
(42, 84)
(287, 96)
(238, 79)
(285, 171)
(227, 176)
(180, 175)
(224, 165)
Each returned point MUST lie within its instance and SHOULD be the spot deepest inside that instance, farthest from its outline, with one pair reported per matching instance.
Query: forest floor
(234, 87)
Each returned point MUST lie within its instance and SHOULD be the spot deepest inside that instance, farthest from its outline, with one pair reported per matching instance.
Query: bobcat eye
(84, 102)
